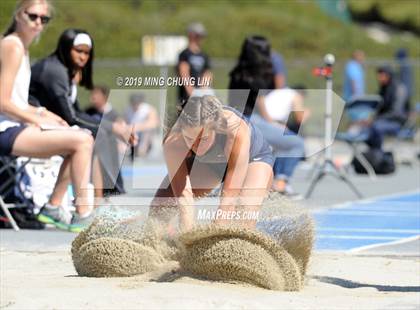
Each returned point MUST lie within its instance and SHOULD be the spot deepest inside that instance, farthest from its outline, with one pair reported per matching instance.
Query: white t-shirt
(73, 93)
(139, 116)
(279, 104)
(20, 91)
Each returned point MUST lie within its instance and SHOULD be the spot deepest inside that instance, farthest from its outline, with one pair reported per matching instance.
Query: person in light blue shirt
(354, 76)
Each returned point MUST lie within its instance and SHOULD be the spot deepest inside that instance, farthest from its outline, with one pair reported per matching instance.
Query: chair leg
(364, 162)
(8, 215)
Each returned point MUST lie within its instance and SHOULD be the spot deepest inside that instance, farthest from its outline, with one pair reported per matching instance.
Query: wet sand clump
(238, 254)
(119, 248)
(114, 257)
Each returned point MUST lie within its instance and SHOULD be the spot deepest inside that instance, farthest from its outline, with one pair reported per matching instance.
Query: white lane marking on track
(372, 199)
(367, 213)
(351, 237)
(402, 231)
(376, 245)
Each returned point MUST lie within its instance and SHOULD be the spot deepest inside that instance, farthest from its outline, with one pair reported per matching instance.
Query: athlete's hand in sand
(186, 211)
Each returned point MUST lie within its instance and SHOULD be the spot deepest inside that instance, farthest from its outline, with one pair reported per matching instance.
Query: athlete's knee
(84, 141)
(87, 140)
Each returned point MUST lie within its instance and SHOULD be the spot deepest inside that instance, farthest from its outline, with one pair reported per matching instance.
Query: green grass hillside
(297, 28)
(402, 13)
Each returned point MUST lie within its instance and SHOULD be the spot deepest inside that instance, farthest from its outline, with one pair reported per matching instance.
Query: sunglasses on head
(33, 17)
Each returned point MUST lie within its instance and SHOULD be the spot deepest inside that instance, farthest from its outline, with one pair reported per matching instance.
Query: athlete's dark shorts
(7, 139)
(260, 150)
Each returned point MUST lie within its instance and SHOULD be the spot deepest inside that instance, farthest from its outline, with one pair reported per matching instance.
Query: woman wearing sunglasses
(22, 126)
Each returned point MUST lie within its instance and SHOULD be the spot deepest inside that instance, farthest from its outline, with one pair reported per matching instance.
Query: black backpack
(24, 216)
(381, 162)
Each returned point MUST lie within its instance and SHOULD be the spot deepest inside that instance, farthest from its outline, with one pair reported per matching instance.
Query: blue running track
(367, 223)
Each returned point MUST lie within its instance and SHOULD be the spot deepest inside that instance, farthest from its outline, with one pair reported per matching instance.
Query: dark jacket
(51, 87)
(395, 102)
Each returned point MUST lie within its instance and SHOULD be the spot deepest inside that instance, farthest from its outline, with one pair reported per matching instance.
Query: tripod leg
(316, 166)
(363, 161)
(319, 176)
(346, 180)
(352, 186)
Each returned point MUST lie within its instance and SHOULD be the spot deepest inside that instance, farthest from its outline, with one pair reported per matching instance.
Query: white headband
(82, 38)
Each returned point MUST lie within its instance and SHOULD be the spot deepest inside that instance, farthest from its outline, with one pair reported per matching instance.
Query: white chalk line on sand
(377, 245)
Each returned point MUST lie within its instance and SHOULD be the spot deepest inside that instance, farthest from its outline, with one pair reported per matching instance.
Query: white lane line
(400, 208)
(376, 245)
(372, 199)
(368, 213)
(351, 237)
(379, 230)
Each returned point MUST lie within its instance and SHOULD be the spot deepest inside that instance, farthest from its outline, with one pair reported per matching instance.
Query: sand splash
(275, 256)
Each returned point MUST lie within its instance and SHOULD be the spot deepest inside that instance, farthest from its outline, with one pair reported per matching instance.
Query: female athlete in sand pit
(212, 144)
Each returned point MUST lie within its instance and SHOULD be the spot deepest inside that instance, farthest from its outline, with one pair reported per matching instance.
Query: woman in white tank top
(20, 123)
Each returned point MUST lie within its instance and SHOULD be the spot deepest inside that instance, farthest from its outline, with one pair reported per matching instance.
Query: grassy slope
(297, 28)
(402, 11)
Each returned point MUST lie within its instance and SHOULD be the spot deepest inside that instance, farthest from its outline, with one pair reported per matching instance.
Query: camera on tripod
(328, 167)
(325, 71)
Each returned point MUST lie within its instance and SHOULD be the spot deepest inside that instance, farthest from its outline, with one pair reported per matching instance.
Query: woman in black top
(253, 73)
(54, 84)
(251, 80)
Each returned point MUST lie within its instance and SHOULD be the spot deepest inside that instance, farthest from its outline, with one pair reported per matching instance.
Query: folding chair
(406, 136)
(359, 110)
(12, 174)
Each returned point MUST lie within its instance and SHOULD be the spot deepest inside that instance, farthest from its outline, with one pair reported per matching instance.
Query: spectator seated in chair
(394, 110)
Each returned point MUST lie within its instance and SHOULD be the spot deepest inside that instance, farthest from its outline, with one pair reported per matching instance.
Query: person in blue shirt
(354, 76)
(279, 70)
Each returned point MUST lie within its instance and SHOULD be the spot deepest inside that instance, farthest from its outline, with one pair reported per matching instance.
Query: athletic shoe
(291, 194)
(55, 215)
(79, 223)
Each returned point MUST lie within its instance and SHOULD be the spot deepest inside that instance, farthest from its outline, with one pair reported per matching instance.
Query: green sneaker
(80, 223)
(54, 215)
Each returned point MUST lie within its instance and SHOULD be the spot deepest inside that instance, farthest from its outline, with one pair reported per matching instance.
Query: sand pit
(275, 256)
